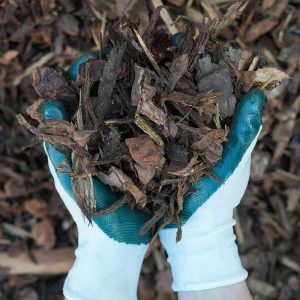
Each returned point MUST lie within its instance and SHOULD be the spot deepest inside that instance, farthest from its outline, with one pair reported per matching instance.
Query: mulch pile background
(33, 220)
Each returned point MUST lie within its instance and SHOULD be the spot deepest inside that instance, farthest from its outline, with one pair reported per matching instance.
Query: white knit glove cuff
(208, 262)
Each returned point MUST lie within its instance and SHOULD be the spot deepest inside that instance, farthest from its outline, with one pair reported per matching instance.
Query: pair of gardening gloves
(110, 252)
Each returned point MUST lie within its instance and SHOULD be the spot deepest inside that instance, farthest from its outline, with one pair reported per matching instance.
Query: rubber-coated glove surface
(110, 251)
(207, 255)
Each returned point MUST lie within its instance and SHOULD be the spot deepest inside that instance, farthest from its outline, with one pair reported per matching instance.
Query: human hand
(110, 251)
(207, 255)
(205, 229)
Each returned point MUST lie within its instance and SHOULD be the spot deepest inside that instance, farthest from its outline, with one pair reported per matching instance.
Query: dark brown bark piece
(108, 79)
(68, 24)
(220, 81)
(53, 83)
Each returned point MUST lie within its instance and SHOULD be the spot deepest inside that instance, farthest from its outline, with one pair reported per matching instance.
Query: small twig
(95, 38)
(121, 201)
(147, 52)
(254, 63)
(101, 17)
(28, 71)
(148, 225)
(118, 121)
(25, 123)
(286, 174)
(165, 17)
(153, 239)
(185, 116)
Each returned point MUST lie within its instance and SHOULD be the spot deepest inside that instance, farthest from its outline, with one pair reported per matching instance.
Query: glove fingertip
(251, 104)
(248, 115)
(54, 109)
(73, 70)
(256, 93)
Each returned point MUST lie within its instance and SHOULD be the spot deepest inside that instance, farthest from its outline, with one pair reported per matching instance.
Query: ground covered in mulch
(38, 236)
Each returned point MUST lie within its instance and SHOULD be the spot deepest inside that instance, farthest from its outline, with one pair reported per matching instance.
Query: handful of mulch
(149, 114)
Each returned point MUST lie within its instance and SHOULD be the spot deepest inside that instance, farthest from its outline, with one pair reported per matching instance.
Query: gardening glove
(110, 252)
(207, 255)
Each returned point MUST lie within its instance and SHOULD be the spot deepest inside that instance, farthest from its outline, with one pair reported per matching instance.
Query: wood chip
(144, 151)
(127, 185)
(15, 230)
(36, 207)
(145, 174)
(43, 234)
(8, 56)
(260, 28)
(53, 262)
(269, 76)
